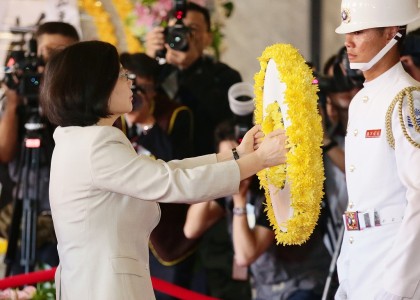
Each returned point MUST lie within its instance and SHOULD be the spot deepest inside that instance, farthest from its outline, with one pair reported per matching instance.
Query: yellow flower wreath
(304, 170)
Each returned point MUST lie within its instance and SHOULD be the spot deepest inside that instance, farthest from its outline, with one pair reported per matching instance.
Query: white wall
(254, 25)
(28, 12)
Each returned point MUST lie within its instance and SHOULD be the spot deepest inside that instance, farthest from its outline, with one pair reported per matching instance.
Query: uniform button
(355, 132)
(351, 240)
(352, 168)
(365, 99)
(351, 204)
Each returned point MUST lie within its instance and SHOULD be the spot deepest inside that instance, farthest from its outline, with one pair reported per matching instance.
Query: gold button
(365, 99)
(355, 132)
(351, 240)
(352, 168)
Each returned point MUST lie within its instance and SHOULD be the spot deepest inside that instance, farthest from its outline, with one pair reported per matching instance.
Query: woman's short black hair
(78, 83)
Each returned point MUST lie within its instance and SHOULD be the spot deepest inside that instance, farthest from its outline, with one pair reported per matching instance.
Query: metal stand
(25, 206)
(333, 264)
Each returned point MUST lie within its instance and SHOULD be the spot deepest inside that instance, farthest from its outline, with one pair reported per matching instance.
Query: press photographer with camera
(22, 122)
(184, 40)
(191, 77)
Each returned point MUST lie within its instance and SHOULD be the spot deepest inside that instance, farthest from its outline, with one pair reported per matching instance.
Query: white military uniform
(387, 181)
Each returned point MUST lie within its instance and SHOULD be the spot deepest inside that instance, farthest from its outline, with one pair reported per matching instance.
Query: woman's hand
(250, 141)
(272, 150)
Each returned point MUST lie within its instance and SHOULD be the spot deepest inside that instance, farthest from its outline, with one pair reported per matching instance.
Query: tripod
(332, 268)
(25, 205)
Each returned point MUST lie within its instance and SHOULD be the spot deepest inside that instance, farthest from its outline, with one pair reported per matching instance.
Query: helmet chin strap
(366, 66)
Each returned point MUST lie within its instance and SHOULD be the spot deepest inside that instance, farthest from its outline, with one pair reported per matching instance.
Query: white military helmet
(364, 14)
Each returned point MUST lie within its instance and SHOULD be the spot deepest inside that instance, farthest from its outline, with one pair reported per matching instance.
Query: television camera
(22, 75)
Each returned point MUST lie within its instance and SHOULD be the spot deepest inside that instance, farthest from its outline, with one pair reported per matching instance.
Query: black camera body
(176, 36)
(22, 73)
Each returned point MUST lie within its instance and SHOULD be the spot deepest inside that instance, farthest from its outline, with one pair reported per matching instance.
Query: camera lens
(177, 37)
(243, 98)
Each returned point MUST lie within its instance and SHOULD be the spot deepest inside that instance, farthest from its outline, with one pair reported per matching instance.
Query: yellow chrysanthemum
(304, 170)
(273, 120)
(124, 8)
(101, 19)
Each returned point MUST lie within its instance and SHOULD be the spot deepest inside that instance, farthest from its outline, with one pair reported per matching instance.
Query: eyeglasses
(128, 76)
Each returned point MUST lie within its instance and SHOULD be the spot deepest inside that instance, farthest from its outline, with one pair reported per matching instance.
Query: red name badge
(373, 133)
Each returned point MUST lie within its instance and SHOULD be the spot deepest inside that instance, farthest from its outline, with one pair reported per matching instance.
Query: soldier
(379, 254)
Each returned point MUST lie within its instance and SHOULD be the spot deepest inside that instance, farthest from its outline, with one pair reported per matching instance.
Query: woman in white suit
(103, 195)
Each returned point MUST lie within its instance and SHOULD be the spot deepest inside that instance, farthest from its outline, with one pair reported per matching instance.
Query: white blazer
(385, 180)
(104, 206)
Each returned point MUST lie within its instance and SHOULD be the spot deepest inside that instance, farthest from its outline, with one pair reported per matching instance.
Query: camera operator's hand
(181, 59)
(9, 125)
(155, 40)
(12, 97)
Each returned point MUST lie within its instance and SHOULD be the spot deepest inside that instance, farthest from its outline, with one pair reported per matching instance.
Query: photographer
(22, 107)
(194, 79)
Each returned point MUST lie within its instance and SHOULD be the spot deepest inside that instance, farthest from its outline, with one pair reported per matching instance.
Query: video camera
(22, 72)
(176, 36)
